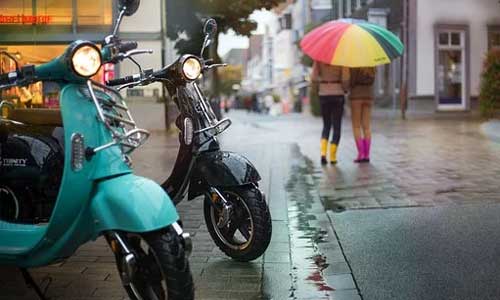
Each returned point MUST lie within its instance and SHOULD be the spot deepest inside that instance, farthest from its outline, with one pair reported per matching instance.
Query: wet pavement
(416, 222)
(432, 253)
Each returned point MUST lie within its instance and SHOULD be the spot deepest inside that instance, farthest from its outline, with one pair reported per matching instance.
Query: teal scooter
(66, 178)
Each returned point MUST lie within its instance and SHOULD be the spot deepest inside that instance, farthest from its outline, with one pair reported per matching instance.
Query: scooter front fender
(133, 204)
(221, 169)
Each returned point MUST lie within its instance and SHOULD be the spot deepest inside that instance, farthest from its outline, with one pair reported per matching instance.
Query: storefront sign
(24, 19)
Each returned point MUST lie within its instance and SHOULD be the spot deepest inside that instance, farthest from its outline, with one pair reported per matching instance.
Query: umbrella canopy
(352, 43)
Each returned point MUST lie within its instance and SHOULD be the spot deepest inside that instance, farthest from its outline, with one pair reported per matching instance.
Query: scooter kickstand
(31, 283)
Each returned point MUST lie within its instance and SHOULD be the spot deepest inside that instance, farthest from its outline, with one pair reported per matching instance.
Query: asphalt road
(450, 252)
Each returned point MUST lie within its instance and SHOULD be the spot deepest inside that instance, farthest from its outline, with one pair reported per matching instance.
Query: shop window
(444, 38)
(286, 21)
(40, 94)
(456, 39)
(15, 7)
(494, 38)
(450, 39)
(95, 12)
(60, 12)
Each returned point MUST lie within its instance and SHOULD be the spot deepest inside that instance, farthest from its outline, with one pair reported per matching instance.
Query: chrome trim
(177, 228)
(215, 126)
(205, 110)
(123, 129)
(188, 243)
(77, 159)
(7, 104)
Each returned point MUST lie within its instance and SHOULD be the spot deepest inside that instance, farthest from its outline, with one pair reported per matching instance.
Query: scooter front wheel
(243, 233)
(161, 269)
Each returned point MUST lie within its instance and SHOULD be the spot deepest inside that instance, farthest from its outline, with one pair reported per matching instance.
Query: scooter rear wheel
(247, 233)
(162, 267)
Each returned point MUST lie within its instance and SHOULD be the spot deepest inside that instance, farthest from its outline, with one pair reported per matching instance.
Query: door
(451, 70)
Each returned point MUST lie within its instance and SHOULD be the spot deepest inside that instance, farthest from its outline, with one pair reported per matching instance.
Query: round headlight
(86, 60)
(191, 68)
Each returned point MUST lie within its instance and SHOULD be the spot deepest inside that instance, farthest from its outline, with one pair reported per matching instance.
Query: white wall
(475, 13)
(146, 61)
(146, 19)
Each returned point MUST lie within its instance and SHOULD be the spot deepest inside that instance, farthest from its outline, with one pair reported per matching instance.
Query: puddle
(304, 210)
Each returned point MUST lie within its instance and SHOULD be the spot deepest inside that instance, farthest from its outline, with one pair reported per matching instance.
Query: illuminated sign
(24, 19)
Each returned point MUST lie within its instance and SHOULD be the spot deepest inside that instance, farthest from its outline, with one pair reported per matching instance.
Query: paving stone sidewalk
(91, 273)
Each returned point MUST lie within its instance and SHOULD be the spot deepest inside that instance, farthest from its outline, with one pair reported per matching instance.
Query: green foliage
(184, 19)
(314, 99)
(276, 98)
(185, 24)
(489, 98)
(229, 76)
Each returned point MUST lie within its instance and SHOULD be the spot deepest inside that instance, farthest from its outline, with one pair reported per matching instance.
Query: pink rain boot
(366, 146)
(361, 151)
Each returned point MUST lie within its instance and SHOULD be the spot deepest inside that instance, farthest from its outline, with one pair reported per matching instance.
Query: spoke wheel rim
(244, 212)
(144, 287)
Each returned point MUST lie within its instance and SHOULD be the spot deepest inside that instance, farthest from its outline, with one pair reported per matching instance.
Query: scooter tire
(169, 251)
(261, 217)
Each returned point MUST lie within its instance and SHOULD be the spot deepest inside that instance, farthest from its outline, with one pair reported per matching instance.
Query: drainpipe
(163, 37)
(403, 96)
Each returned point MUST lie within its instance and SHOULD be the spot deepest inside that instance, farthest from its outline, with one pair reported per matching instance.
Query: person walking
(333, 81)
(361, 97)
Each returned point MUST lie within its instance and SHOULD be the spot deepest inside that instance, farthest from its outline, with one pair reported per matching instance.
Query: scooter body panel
(221, 169)
(100, 196)
(117, 208)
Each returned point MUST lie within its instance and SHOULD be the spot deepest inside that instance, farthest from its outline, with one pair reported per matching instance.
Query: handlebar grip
(126, 46)
(120, 81)
(8, 78)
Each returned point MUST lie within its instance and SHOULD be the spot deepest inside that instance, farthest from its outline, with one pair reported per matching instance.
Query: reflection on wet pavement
(315, 251)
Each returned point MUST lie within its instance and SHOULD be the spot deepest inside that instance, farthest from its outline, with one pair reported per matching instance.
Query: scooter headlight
(191, 68)
(86, 60)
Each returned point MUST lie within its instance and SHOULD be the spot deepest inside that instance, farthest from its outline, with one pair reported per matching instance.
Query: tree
(184, 23)
(489, 98)
(229, 76)
(184, 19)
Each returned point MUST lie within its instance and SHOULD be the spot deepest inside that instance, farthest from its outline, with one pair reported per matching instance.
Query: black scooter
(236, 213)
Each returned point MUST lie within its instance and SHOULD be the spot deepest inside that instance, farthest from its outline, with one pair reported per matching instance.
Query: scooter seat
(36, 116)
(19, 239)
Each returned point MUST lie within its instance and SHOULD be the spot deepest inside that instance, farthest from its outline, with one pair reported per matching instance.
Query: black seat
(36, 116)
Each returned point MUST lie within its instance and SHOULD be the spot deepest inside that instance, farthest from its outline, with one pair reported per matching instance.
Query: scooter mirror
(210, 28)
(130, 6)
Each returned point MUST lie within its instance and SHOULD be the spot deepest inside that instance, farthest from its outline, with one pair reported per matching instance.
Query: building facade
(36, 31)
(447, 42)
(447, 48)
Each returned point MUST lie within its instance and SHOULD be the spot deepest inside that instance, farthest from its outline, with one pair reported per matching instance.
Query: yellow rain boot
(333, 154)
(323, 149)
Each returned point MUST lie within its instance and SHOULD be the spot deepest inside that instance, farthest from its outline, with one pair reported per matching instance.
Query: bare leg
(356, 110)
(366, 116)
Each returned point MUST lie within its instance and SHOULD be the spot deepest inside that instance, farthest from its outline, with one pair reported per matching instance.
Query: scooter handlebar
(126, 46)
(122, 81)
(8, 78)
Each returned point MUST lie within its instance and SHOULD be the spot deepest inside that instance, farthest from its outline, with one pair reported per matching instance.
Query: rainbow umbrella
(352, 43)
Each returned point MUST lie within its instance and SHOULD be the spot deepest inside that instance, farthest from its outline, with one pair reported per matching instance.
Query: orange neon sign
(25, 19)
